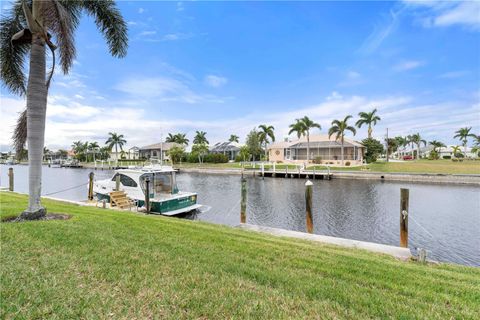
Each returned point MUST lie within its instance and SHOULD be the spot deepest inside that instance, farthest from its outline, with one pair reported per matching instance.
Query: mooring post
(274, 174)
(117, 182)
(147, 194)
(313, 172)
(298, 171)
(286, 171)
(90, 186)
(10, 179)
(404, 200)
(263, 171)
(243, 202)
(308, 205)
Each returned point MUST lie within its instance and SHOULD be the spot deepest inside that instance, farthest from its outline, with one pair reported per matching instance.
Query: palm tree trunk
(308, 146)
(369, 131)
(465, 148)
(342, 151)
(418, 151)
(36, 113)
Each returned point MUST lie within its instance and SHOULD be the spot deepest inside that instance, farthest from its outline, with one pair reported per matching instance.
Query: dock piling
(10, 179)
(90, 186)
(404, 201)
(117, 182)
(263, 171)
(308, 202)
(243, 202)
(147, 194)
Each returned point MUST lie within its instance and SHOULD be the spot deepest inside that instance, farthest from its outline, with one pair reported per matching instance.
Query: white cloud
(147, 33)
(467, 13)
(68, 121)
(447, 13)
(141, 10)
(215, 81)
(408, 65)
(454, 74)
(163, 89)
(381, 32)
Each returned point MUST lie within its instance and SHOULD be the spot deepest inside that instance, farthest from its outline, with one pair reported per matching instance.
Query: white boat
(165, 198)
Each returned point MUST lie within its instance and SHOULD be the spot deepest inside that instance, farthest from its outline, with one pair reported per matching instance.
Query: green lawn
(418, 166)
(119, 265)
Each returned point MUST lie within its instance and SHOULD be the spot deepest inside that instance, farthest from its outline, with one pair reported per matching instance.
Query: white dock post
(263, 171)
(274, 174)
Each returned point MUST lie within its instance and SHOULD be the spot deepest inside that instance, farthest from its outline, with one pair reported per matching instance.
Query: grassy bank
(417, 166)
(110, 264)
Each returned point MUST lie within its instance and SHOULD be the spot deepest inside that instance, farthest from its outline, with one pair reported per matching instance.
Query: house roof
(160, 145)
(316, 141)
(225, 146)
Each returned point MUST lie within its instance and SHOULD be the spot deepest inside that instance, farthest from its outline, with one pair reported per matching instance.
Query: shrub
(347, 163)
(447, 157)
(317, 160)
(374, 149)
(216, 158)
(433, 155)
(459, 155)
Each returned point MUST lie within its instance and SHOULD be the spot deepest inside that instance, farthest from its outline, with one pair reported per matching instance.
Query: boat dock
(301, 174)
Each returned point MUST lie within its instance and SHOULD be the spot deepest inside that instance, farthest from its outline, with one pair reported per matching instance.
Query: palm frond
(12, 57)
(61, 23)
(19, 136)
(111, 23)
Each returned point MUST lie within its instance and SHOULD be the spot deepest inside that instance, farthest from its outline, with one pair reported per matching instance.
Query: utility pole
(387, 144)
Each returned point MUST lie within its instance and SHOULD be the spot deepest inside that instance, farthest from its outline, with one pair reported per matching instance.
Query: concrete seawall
(397, 252)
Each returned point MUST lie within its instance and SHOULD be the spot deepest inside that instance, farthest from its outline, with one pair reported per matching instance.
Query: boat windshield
(160, 183)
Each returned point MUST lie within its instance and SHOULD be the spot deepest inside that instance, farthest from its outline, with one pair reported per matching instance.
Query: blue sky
(226, 67)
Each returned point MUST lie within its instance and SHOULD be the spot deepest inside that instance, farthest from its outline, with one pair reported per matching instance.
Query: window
(125, 180)
(154, 153)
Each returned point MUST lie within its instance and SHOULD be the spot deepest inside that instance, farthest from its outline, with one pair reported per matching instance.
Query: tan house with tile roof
(321, 146)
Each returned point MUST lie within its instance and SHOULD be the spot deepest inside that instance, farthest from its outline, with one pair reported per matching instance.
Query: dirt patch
(49, 216)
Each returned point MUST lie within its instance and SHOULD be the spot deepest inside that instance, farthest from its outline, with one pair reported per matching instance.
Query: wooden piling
(308, 205)
(313, 172)
(404, 201)
(90, 186)
(147, 194)
(117, 182)
(10, 179)
(243, 202)
(274, 174)
(263, 171)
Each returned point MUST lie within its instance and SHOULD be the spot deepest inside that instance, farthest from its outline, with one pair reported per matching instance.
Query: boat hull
(166, 207)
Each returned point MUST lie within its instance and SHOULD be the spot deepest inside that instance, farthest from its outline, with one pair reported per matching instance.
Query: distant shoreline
(462, 179)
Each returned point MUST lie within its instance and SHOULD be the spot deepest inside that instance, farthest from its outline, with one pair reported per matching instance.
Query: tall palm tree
(417, 140)
(93, 148)
(29, 28)
(234, 138)
(170, 138)
(264, 133)
(402, 142)
(181, 138)
(339, 128)
(116, 140)
(463, 134)
(200, 138)
(436, 144)
(456, 150)
(368, 118)
(298, 128)
(302, 127)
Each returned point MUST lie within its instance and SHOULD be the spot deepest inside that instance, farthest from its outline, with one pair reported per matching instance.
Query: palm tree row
(180, 138)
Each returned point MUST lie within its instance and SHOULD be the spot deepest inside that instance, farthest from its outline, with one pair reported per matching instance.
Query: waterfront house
(157, 150)
(322, 148)
(230, 149)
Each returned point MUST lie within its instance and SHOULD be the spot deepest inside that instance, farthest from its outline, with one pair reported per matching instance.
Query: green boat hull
(161, 206)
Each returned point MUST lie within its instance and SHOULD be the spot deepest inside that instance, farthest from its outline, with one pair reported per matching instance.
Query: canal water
(444, 219)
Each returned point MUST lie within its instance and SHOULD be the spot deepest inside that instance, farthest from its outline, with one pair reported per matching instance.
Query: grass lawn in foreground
(111, 264)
